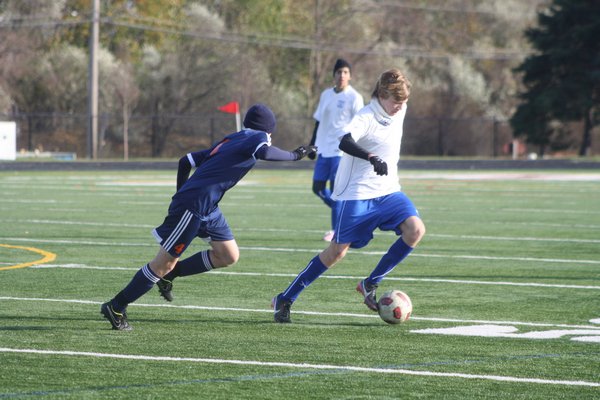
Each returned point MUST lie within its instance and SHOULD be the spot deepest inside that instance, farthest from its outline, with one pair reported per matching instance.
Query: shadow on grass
(25, 328)
(235, 323)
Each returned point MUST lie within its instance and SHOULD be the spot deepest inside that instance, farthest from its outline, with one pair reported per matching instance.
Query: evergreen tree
(562, 78)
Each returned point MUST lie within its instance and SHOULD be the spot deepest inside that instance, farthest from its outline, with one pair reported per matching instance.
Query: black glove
(379, 165)
(312, 155)
(303, 151)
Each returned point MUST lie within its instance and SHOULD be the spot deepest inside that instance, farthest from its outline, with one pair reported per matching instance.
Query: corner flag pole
(238, 121)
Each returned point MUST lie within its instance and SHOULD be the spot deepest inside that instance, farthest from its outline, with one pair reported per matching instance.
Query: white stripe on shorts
(181, 226)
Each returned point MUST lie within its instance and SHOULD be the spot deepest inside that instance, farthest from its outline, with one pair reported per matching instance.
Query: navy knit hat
(261, 118)
(341, 63)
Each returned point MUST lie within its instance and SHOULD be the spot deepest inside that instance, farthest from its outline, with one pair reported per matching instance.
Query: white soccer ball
(395, 307)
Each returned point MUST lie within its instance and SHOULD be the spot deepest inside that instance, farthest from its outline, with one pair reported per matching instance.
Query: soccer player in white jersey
(368, 194)
(194, 211)
(337, 105)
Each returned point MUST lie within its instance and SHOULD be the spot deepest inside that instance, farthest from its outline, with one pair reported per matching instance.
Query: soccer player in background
(367, 193)
(194, 211)
(337, 105)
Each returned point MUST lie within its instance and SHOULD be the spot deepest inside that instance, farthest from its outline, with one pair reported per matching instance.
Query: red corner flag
(232, 107)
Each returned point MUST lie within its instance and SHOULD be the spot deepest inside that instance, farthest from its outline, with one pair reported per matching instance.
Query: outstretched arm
(274, 153)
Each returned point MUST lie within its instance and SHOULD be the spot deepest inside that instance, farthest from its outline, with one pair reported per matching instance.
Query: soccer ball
(395, 307)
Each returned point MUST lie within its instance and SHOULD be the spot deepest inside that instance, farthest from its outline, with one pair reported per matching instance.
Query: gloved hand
(379, 165)
(303, 151)
(312, 155)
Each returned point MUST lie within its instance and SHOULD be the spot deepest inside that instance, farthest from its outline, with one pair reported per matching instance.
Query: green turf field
(505, 288)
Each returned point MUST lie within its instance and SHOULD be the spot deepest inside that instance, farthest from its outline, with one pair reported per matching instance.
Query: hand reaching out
(303, 151)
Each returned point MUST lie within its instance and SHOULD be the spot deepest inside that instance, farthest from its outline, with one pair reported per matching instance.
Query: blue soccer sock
(196, 264)
(394, 256)
(313, 270)
(140, 284)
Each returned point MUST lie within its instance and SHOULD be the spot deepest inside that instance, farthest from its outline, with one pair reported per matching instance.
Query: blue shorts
(179, 229)
(358, 219)
(326, 168)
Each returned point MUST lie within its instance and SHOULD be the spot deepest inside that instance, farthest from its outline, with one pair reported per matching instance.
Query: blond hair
(392, 83)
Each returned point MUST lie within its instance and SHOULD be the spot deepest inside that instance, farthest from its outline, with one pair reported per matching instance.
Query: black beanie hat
(261, 118)
(341, 63)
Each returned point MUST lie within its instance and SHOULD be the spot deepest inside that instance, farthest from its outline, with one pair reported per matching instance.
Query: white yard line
(302, 366)
(438, 235)
(345, 277)
(301, 312)
(312, 251)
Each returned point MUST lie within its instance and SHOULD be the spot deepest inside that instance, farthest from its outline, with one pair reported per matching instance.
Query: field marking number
(507, 331)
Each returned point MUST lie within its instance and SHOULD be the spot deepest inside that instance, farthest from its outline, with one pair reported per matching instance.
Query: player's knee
(419, 232)
(333, 254)
(163, 263)
(413, 231)
(225, 258)
(230, 258)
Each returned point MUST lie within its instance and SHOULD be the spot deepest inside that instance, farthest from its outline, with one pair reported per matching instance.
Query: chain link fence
(169, 136)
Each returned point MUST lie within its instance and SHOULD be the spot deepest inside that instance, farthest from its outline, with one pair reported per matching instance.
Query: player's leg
(320, 189)
(334, 163)
(349, 230)
(315, 268)
(141, 283)
(224, 252)
(321, 175)
(174, 236)
(357, 222)
(413, 230)
(398, 214)
(324, 173)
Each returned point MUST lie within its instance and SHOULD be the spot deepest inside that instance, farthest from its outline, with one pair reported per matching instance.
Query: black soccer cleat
(368, 291)
(117, 320)
(281, 310)
(165, 287)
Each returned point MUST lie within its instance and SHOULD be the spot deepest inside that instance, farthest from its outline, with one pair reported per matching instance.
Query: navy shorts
(326, 168)
(358, 219)
(179, 229)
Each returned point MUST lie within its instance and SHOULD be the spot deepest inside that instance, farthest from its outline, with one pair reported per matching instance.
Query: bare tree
(127, 92)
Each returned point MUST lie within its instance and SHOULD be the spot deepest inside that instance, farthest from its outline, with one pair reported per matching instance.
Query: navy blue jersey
(217, 170)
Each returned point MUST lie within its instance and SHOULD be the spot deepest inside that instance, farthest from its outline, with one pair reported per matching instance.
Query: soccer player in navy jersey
(194, 211)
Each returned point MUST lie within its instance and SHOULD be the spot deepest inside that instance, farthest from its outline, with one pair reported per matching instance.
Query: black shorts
(178, 230)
